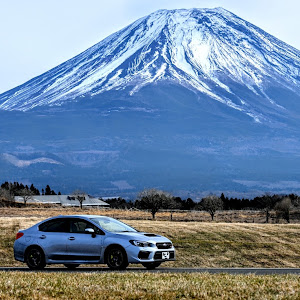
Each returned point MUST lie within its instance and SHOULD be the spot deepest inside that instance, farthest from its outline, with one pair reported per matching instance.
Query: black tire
(116, 258)
(71, 266)
(35, 258)
(151, 265)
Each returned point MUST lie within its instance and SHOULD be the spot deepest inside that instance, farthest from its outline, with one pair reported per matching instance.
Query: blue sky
(37, 35)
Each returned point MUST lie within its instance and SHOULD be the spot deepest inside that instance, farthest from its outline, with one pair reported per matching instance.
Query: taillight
(19, 234)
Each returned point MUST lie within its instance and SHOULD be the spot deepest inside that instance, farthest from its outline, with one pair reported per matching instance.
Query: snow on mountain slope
(206, 50)
(25, 163)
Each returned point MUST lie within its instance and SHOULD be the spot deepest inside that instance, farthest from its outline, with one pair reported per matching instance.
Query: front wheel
(35, 259)
(72, 266)
(151, 265)
(116, 258)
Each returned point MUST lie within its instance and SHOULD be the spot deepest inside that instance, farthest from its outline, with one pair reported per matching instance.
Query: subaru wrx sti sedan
(90, 239)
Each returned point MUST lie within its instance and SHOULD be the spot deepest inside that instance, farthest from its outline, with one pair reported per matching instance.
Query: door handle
(42, 237)
(71, 238)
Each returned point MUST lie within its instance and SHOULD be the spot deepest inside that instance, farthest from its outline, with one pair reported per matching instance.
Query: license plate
(165, 255)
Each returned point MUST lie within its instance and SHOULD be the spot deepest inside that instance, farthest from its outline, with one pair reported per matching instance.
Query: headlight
(141, 244)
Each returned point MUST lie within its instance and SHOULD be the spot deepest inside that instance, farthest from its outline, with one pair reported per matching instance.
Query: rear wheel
(35, 258)
(116, 258)
(151, 265)
(71, 266)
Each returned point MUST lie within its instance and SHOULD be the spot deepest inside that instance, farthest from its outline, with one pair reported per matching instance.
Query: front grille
(158, 255)
(164, 245)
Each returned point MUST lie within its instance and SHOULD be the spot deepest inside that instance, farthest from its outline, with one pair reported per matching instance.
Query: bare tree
(26, 194)
(173, 205)
(154, 200)
(80, 196)
(211, 204)
(296, 201)
(7, 194)
(283, 209)
(267, 203)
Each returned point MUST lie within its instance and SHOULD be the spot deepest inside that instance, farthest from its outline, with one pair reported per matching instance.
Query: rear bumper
(19, 251)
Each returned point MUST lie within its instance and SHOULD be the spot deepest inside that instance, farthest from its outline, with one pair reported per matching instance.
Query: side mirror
(91, 231)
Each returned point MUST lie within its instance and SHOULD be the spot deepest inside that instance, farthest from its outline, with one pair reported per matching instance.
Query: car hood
(143, 236)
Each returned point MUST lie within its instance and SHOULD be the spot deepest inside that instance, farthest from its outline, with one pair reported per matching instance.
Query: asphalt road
(256, 271)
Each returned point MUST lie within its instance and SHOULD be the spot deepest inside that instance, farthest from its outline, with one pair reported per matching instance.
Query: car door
(81, 245)
(52, 237)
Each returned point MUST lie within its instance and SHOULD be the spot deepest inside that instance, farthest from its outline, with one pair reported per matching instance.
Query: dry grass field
(238, 216)
(198, 244)
(136, 285)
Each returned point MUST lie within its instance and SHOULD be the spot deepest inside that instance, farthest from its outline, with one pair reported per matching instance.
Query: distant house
(65, 200)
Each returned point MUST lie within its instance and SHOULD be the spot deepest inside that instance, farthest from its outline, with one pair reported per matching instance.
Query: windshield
(112, 225)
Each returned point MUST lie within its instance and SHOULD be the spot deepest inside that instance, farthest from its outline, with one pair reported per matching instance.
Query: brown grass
(239, 216)
(230, 245)
(198, 244)
(136, 285)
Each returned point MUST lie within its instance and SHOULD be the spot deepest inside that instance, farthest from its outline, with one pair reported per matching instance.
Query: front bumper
(149, 254)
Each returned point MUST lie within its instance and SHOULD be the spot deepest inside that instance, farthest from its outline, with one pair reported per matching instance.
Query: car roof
(80, 216)
(66, 216)
(84, 216)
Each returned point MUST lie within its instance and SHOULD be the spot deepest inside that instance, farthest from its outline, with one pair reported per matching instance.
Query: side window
(56, 225)
(79, 226)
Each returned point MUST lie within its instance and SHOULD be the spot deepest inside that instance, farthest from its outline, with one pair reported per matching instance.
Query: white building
(64, 200)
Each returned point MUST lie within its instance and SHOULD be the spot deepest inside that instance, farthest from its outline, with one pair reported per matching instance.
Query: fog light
(143, 254)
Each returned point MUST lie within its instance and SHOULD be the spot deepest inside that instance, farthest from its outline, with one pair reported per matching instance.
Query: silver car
(90, 239)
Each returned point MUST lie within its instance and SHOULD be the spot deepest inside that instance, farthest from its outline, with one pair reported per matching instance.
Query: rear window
(57, 225)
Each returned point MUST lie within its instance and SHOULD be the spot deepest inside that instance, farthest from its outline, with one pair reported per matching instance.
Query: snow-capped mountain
(207, 50)
(188, 101)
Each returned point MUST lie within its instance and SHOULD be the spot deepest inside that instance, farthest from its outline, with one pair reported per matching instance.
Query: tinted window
(79, 226)
(57, 225)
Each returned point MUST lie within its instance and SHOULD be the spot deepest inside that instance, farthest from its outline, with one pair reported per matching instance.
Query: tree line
(9, 190)
(154, 200)
(16, 189)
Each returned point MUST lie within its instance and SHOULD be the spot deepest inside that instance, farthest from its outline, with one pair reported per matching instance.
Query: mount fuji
(191, 101)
